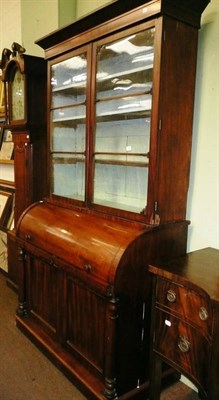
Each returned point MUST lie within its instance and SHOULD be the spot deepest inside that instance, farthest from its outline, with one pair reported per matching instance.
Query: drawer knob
(203, 314)
(171, 296)
(183, 344)
(87, 267)
(28, 237)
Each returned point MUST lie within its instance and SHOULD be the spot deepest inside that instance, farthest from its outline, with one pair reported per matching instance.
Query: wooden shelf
(6, 161)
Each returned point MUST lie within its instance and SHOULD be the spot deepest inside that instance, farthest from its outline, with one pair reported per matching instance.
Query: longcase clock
(24, 78)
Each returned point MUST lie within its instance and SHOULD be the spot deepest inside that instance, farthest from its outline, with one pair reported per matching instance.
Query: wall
(10, 23)
(24, 21)
(203, 196)
(67, 11)
(10, 31)
(85, 7)
(38, 18)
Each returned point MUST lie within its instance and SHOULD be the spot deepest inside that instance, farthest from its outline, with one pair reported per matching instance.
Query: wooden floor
(26, 374)
(179, 391)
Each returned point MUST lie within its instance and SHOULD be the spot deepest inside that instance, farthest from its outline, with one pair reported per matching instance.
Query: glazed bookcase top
(120, 109)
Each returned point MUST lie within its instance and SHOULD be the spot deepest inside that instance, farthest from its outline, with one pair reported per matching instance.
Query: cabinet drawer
(185, 302)
(182, 345)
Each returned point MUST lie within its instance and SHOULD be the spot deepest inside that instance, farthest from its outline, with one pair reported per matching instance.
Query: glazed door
(123, 106)
(69, 119)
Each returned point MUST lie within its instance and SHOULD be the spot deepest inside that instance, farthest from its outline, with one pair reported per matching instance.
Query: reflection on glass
(68, 117)
(125, 66)
(68, 82)
(123, 110)
(17, 100)
(125, 106)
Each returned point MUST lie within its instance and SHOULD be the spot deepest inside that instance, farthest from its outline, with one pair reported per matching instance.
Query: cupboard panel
(85, 328)
(43, 293)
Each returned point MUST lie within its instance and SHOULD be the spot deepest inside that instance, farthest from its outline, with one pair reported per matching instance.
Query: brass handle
(28, 237)
(203, 314)
(171, 296)
(87, 267)
(53, 262)
(183, 344)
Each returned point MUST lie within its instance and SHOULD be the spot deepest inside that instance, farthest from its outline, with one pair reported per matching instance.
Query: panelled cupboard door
(45, 290)
(85, 322)
(68, 312)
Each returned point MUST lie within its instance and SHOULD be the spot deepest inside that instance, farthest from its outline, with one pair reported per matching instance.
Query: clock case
(29, 134)
(29, 138)
(33, 73)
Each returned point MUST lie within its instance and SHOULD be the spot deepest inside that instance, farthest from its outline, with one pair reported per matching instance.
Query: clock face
(17, 96)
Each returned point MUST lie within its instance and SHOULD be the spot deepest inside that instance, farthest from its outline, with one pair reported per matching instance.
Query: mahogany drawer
(182, 346)
(185, 303)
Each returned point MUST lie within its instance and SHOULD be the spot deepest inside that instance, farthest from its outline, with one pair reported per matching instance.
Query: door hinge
(155, 218)
(160, 124)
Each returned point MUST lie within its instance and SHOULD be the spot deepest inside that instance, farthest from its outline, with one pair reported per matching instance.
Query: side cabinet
(185, 322)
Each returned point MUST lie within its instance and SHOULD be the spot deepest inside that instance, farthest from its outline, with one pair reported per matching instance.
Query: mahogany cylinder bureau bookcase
(120, 101)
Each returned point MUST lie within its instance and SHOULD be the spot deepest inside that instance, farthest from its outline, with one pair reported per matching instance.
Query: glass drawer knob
(171, 296)
(203, 314)
(183, 344)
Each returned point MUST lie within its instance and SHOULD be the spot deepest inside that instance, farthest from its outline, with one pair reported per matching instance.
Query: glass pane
(68, 114)
(17, 101)
(68, 118)
(125, 66)
(125, 106)
(69, 80)
(123, 118)
(123, 140)
(68, 138)
(140, 82)
(120, 186)
(67, 172)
